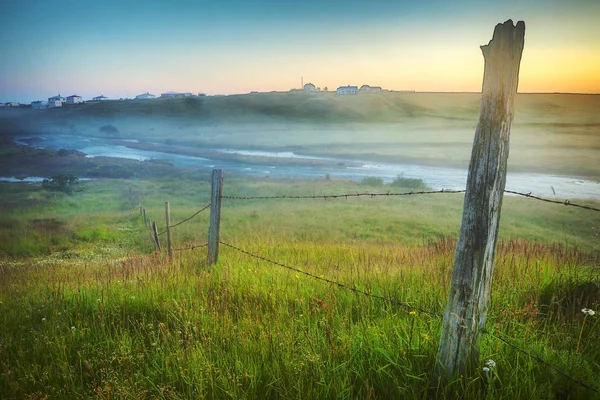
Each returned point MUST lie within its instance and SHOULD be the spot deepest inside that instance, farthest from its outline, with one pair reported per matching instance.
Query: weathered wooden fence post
(168, 222)
(145, 218)
(466, 309)
(215, 216)
(155, 235)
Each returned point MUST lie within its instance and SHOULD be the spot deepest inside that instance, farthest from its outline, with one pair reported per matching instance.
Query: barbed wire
(186, 220)
(338, 196)
(411, 193)
(336, 283)
(565, 202)
(542, 361)
(196, 246)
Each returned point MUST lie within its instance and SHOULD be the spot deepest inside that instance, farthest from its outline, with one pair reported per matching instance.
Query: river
(270, 164)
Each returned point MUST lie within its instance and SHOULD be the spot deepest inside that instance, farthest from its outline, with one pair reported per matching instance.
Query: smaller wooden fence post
(168, 222)
(155, 233)
(145, 218)
(215, 216)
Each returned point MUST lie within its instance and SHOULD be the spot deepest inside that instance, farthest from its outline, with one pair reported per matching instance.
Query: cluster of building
(58, 101)
(344, 90)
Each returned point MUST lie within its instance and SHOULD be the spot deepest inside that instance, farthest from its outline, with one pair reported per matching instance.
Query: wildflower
(486, 369)
(73, 329)
(413, 313)
(43, 319)
(587, 313)
(491, 363)
(98, 301)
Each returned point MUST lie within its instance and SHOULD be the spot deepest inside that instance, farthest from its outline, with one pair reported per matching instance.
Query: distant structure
(100, 98)
(54, 99)
(38, 105)
(369, 89)
(74, 99)
(145, 96)
(309, 87)
(346, 90)
(175, 95)
(11, 104)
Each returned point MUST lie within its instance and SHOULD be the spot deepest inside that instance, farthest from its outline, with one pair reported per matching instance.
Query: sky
(121, 48)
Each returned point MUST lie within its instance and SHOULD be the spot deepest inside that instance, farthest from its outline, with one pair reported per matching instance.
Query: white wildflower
(72, 329)
(588, 311)
(43, 319)
(491, 363)
(486, 369)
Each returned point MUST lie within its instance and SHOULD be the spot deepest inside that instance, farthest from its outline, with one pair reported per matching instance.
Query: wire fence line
(411, 193)
(185, 220)
(338, 196)
(565, 203)
(353, 288)
(410, 307)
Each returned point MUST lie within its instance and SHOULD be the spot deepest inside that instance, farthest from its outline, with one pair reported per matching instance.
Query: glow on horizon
(401, 46)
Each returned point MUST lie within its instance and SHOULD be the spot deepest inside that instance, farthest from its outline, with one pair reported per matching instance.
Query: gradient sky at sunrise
(123, 48)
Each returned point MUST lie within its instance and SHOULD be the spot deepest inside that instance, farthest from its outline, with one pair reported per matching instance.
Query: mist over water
(272, 164)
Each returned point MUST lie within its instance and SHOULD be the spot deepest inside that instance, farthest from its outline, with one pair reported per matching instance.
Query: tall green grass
(107, 318)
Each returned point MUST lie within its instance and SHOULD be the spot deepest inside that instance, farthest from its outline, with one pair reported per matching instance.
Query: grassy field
(89, 310)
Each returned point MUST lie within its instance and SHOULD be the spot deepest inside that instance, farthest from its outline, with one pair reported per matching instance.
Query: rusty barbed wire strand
(565, 202)
(369, 194)
(542, 361)
(336, 283)
(196, 246)
(338, 196)
(185, 220)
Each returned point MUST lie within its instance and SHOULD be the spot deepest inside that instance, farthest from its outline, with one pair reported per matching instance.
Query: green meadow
(88, 309)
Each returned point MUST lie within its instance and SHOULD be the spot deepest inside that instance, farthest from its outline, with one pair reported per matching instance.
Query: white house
(54, 103)
(56, 98)
(74, 99)
(369, 89)
(146, 95)
(173, 95)
(12, 104)
(309, 87)
(100, 98)
(38, 105)
(347, 90)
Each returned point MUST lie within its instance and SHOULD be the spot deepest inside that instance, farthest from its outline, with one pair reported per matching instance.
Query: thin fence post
(215, 216)
(145, 218)
(168, 222)
(155, 235)
(468, 299)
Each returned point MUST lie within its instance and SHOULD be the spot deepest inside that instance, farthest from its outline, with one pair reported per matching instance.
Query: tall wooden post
(168, 223)
(215, 216)
(466, 309)
(145, 218)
